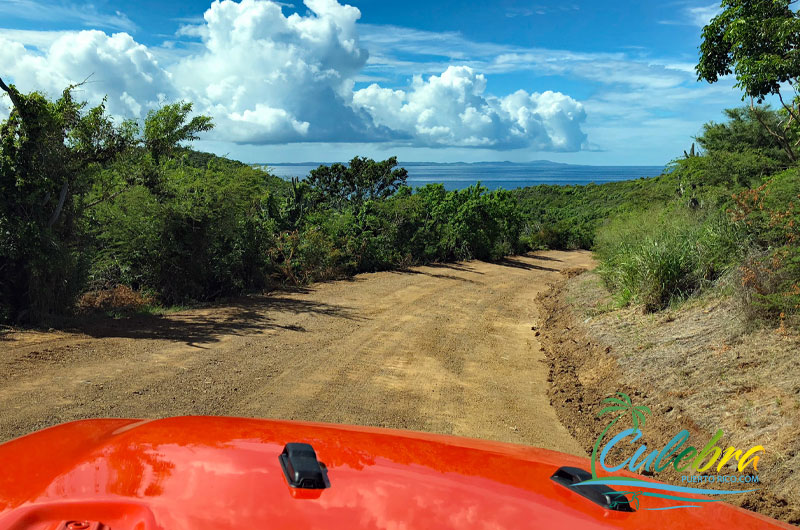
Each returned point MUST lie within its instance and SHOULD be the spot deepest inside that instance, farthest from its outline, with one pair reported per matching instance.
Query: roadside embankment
(695, 367)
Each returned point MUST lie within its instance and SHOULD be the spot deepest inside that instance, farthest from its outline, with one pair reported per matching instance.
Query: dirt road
(445, 349)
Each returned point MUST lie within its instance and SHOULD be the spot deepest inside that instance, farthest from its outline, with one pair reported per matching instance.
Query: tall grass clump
(656, 257)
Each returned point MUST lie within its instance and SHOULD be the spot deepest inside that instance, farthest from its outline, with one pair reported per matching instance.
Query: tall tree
(362, 179)
(759, 42)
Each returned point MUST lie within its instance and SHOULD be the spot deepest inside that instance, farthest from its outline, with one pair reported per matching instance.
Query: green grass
(657, 257)
(161, 310)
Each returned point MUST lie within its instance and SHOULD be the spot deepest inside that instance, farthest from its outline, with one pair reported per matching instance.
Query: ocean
(496, 175)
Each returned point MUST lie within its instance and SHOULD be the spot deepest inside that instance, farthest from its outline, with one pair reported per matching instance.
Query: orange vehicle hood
(224, 473)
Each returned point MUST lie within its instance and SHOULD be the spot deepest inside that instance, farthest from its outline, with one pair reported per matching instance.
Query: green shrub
(770, 216)
(733, 210)
(656, 257)
(49, 152)
(205, 234)
(58, 161)
(567, 217)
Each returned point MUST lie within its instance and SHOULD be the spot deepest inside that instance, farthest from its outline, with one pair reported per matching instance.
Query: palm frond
(611, 409)
(639, 416)
(615, 401)
(625, 397)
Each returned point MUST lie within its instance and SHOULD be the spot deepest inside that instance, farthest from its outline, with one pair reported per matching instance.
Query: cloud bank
(453, 110)
(269, 78)
(114, 65)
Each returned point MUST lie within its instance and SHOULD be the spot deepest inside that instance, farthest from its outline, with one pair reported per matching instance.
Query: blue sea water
(500, 175)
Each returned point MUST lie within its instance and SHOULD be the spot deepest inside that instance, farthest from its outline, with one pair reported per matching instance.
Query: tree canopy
(759, 42)
(362, 179)
(92, 206)
(53, 155)
(743, 132)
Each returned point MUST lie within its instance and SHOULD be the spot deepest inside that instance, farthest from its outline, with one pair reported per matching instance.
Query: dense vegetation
(567, 217)
(737, 216)
(90, 206)
(734, 218)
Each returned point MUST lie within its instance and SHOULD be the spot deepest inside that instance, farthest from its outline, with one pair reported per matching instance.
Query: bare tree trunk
(61, 198)
(789, 109)
(13, 94)
(780, 137)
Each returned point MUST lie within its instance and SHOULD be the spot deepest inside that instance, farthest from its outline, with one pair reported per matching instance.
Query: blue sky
(582, 82)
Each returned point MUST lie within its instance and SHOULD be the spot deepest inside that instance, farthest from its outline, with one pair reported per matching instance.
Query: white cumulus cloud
(270, 78)
(115, 66)
(452, 109)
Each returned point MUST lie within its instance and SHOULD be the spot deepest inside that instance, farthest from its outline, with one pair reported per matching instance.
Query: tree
(737, 153)
(743, 132)
(362, 179)
(49, 153)
(759, 42)
(53, 154)
(166, 127)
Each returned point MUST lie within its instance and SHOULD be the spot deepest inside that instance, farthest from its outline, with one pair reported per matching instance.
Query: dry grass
(120, 298)
(724, 374)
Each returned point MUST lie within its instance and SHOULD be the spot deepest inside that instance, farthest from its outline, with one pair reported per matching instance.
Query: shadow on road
(454, 266)
(542, 258)
(205, 326)
(433, 275)
(519, 264)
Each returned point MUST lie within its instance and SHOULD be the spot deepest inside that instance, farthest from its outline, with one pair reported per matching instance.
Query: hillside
(698, 366)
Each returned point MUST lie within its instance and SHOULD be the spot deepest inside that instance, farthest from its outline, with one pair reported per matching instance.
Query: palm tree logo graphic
(617, 408)
(620, 407)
